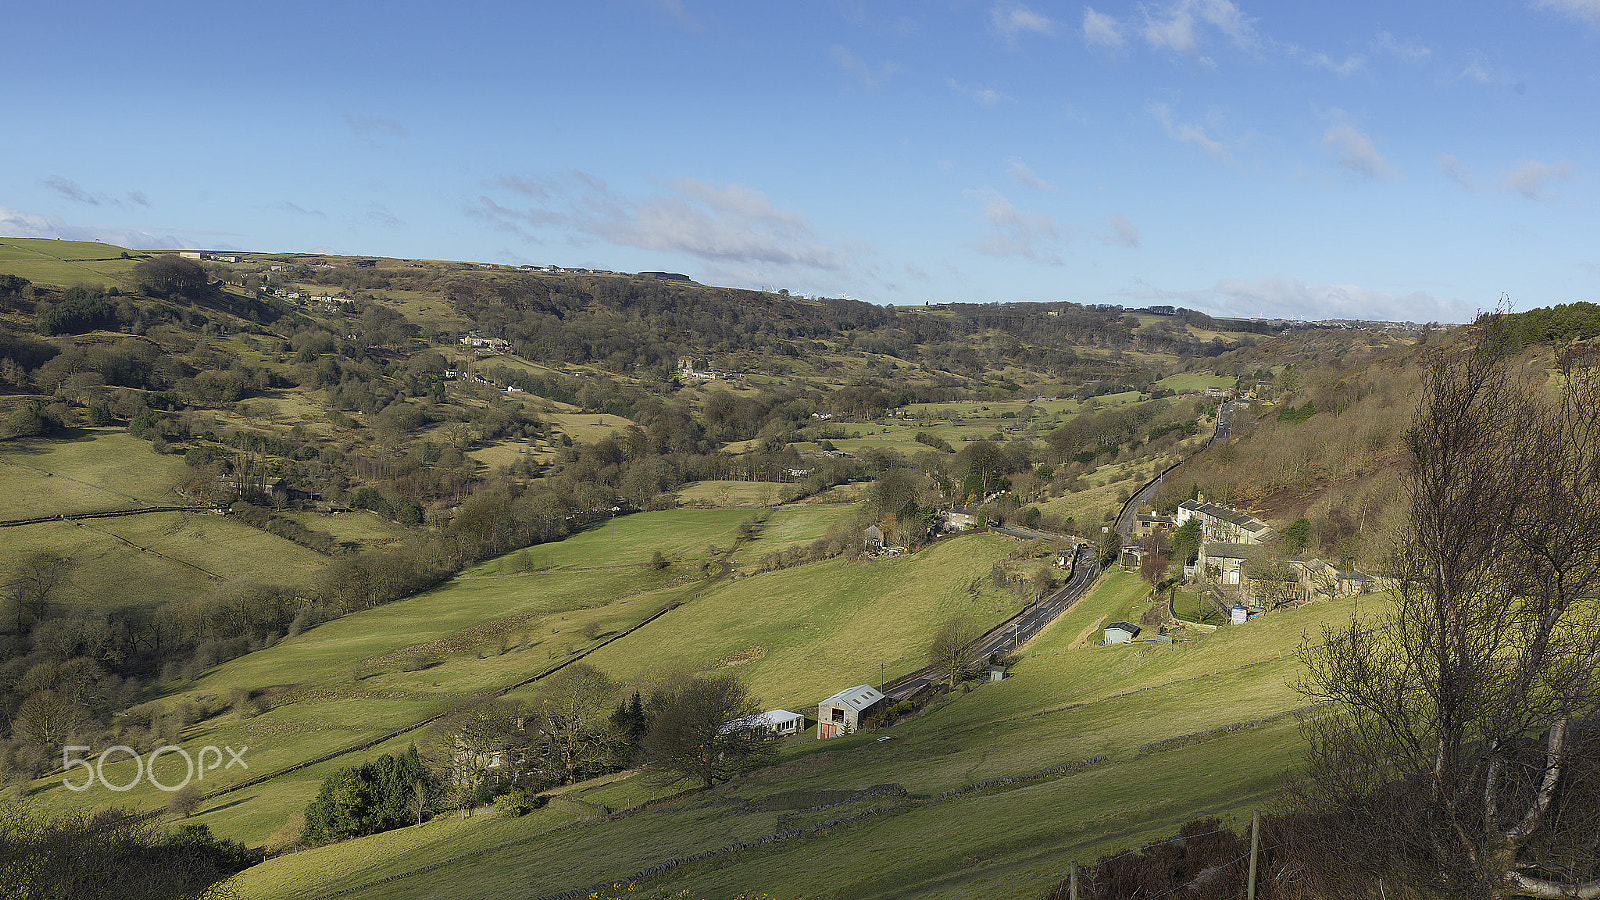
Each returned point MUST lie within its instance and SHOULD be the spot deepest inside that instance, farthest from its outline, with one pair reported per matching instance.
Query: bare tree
(952, 644)
(574, 715)
(1464, 733)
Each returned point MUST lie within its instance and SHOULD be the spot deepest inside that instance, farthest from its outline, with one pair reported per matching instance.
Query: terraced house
(1220, 524)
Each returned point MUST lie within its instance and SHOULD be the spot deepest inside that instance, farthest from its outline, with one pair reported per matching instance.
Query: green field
(799, 635)
(733, 494)
(788, 527)
(98, 469)
(361, 675)
(1065, 701)
(63, 262)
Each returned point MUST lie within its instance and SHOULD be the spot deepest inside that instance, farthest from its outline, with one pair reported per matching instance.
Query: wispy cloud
(981, 96)
(1457, 171)
(728, 223)
(17, 223)
(73, 191)
(1356, 152)
(295, 208)
(868, 76)
(1102, 30)
(1014, 20)
(674, 10)
(1025, 176)
(1017, 233)
(1123, 232)
(1180, 26)
(138, 198)
(1531, 177)
(1407, 51)
(374, 127)
(1188, 133)
(1280, 297)
(1587, 10)
(1344, 68)
(378, 214)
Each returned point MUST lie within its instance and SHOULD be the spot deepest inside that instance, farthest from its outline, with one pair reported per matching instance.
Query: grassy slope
(130, 560)
(99, 469)
(63, 262)
(1062, 704)
(487, 630)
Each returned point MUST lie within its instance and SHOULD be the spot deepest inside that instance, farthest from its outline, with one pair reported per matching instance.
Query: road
(1131, 510)
(1014, 631)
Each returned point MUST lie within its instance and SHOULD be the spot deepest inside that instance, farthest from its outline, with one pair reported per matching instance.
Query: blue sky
(1376, 160)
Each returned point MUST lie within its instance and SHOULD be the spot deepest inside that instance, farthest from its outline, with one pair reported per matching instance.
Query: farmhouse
(842, 713)
(874, 538)
(960, 518)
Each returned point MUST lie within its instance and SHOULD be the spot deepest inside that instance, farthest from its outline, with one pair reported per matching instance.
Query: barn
(842, 713)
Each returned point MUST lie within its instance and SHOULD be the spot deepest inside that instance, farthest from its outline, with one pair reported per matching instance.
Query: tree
(1459, 732)
(1186, 542)
(694, 734)
(169, 275)
(574, 717)
(185, 801)
(111, 854)
(952, 643)
(1296, 536)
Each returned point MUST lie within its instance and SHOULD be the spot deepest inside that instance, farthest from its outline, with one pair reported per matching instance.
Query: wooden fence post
(1072, 891)
(1255, 845)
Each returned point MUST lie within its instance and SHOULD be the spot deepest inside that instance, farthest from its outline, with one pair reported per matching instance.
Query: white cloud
(16, 223)
(1408, 51)
(1356, 152)
(1016, 232)
(1101, 29)
(1014, 20)
(1587, 10)
(1457, 171)
(1025, 176)
(1350, 65)
(868, 76)
(1280, 297)
(1179, 26)
(1531, 176)
(732, 223)
(1188, 134)
(1475, 70)
(981, 96)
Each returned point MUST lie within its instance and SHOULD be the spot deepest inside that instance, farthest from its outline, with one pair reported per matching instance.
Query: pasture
(1065, 702)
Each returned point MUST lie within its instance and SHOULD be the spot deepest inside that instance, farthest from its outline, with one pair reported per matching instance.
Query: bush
(519, 802)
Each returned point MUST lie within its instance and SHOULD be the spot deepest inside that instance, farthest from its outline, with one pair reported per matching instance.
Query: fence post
(1255, 845)
(1072, 890)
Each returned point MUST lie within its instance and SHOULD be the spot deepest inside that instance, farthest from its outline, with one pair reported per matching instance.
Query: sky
(1418, 161)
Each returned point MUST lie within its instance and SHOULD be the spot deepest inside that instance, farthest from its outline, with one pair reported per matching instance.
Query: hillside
(408, 487)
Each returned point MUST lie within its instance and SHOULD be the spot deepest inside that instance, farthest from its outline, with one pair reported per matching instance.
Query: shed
(772, 723)
(1121, 632)
(842, 713)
